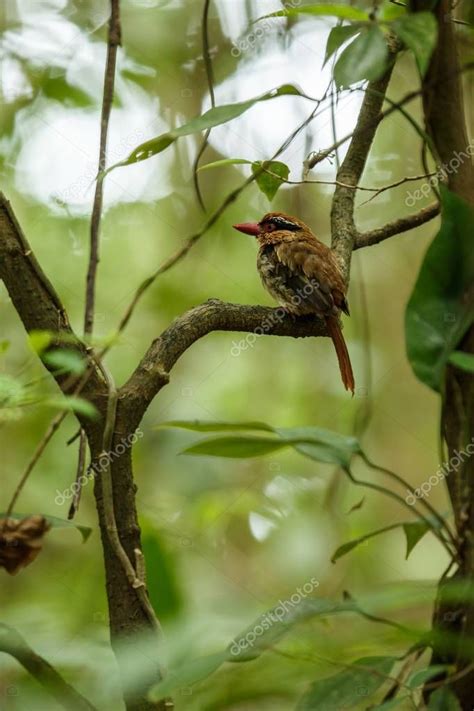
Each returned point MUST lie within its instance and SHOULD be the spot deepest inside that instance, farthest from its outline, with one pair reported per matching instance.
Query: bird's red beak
(248, 228)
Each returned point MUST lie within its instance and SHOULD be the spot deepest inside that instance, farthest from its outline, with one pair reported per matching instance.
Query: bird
(302, 274)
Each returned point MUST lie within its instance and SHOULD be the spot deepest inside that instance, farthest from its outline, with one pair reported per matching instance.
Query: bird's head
(273, 222)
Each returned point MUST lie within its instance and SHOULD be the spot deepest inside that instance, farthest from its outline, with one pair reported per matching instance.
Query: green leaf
(350, 545)
(366, 58)
(419, 31)
(273, 624)
(365, 677)
(75, 404)
(188, 674)
(443, 700)
(420, 677)
(39, 340)
(322, 445)
(238, 447)
(65, 361)
(337, 37)
(321, 10)
(85, 531)
(313, 442)
(224, 162)
(464, 361)
(162, 583)
(203, 426)
(441, 308)
(414, 532)
(214, 117)
(4, 346)
(269, 182)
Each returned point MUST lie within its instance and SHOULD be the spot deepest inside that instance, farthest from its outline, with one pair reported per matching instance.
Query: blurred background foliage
(224, 539)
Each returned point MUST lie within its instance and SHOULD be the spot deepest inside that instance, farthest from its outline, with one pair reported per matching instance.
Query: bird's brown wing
(313, 273)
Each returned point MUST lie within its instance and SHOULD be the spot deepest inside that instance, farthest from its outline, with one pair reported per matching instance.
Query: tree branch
(214, 315)
(343, 229)
(403, 224)
(12, 643)
(40, 307)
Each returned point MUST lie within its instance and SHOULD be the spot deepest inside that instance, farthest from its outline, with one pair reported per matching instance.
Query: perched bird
(303, 275)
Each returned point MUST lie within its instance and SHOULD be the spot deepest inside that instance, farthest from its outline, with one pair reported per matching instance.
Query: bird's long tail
(334, 328)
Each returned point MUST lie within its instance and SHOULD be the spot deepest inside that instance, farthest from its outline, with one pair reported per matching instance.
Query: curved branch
(403, 224)
(12, 643)
(214, 315)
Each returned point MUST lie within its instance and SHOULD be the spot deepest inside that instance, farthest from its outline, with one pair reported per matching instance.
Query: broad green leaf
(75, 404)
(39, 340)
(270, 627)
(366, 58)
(224, 162)
(271, 178)
(341, 690)
(162, 583)
(443, 699)
(419, 31)
(238, 447)
(337, 37)
(420, 677)
(65, 361)
(55, 522)
(321, 10)
(441, 307)
(464, 361)
(322, 445)
(203, 426)
(188, 674)
(350, 545)
(214, 117)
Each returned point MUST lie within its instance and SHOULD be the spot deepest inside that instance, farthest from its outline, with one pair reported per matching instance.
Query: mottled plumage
(303, 275)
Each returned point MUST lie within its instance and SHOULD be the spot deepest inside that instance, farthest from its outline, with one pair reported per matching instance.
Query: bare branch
(403, 224)
(12, 643)
(343, 229)
(214, 315)
(38, 304)
(113, 42)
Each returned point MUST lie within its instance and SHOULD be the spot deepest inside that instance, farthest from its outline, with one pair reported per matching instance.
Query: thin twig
(393, 495)
(363, 188)
(210, 83)
(52, 428)
(113, 42)
(400, 480)
(396, 227)
(12, 643)
(81, 466)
